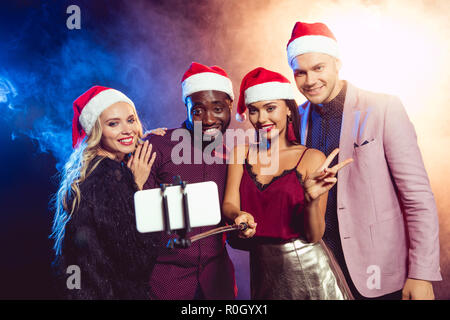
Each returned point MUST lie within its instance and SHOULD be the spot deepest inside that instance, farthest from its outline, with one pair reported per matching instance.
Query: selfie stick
(165, 209)
(241, 227)
(182, 241)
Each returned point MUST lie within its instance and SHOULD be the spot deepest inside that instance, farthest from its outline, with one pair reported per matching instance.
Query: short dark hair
(228, 97)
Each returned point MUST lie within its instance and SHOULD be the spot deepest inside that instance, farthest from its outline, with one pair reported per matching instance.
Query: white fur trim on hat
(98, 104)
(206, 81)
(269, 91)
(307, 44)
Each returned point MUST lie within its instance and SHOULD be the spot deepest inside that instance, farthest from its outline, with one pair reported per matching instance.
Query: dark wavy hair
(295, 116)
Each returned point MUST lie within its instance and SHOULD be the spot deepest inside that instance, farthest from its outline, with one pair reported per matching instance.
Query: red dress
(276, 206)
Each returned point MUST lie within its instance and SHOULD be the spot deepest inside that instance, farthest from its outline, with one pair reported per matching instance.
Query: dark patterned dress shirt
(324, 132)
(203, 270)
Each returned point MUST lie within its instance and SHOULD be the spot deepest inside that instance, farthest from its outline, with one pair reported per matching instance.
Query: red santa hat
(88, 107)
(200, 78)
(259, 85)
(311, 37)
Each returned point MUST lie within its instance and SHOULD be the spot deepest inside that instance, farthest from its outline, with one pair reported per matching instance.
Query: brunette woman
(282, 187)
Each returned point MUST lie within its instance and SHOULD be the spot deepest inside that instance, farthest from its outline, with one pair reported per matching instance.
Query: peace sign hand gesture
(324, 178)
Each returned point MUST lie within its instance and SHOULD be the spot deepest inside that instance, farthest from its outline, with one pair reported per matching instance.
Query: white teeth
(314, 90)
(126, 140)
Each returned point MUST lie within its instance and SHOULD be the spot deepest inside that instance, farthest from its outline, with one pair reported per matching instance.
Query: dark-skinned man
(204, 270)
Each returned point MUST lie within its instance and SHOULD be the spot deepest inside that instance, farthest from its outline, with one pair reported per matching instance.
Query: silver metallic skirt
(296, 270)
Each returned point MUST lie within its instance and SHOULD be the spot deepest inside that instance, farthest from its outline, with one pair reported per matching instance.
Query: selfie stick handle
(187, 221)
(165, 209)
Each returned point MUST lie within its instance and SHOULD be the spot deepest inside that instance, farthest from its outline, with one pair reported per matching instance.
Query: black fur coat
(114, 259)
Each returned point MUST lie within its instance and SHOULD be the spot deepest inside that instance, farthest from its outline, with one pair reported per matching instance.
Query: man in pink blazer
(382, 222)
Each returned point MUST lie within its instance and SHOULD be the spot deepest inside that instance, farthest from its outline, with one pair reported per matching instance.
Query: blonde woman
(99, 253)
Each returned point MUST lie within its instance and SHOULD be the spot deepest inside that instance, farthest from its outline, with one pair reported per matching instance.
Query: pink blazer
(386, 210)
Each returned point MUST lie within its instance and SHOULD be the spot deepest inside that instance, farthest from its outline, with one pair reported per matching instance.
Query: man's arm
(407, 168)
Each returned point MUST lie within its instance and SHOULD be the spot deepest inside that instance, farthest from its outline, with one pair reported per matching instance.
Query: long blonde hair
(75, 171)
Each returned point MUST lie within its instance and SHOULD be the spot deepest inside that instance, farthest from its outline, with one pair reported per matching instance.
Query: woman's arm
(114, 259)
(318, 181)
(231, 207)
(314, 213)
(83, 250)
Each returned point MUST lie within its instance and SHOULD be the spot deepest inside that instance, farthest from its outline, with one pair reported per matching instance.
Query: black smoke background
(143, 48)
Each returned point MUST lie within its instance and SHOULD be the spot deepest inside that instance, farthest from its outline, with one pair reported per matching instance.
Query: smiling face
(212, 108)
(268, 115)
(317, 76)
(120, 129)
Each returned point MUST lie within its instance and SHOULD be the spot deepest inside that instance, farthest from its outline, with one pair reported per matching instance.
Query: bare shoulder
(313, 159)
(314, 154)
(297, 149)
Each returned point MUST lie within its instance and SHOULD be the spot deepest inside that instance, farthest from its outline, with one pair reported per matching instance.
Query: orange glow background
(395, 47)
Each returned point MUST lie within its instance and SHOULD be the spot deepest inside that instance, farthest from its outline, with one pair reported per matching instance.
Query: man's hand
(158, 132)
(415, 289)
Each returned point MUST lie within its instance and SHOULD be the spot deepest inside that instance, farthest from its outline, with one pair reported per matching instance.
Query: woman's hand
(140, 163)
(247, 218)
(324, 178)
(157, 131)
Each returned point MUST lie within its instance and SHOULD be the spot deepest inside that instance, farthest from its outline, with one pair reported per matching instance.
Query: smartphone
(203, 203)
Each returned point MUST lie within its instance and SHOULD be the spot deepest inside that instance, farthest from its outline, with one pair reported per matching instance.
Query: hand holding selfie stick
(241, 227)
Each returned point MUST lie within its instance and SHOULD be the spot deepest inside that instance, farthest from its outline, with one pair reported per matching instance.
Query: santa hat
(88, 107)
(259, 85)
(200, 78)
(311, 37)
